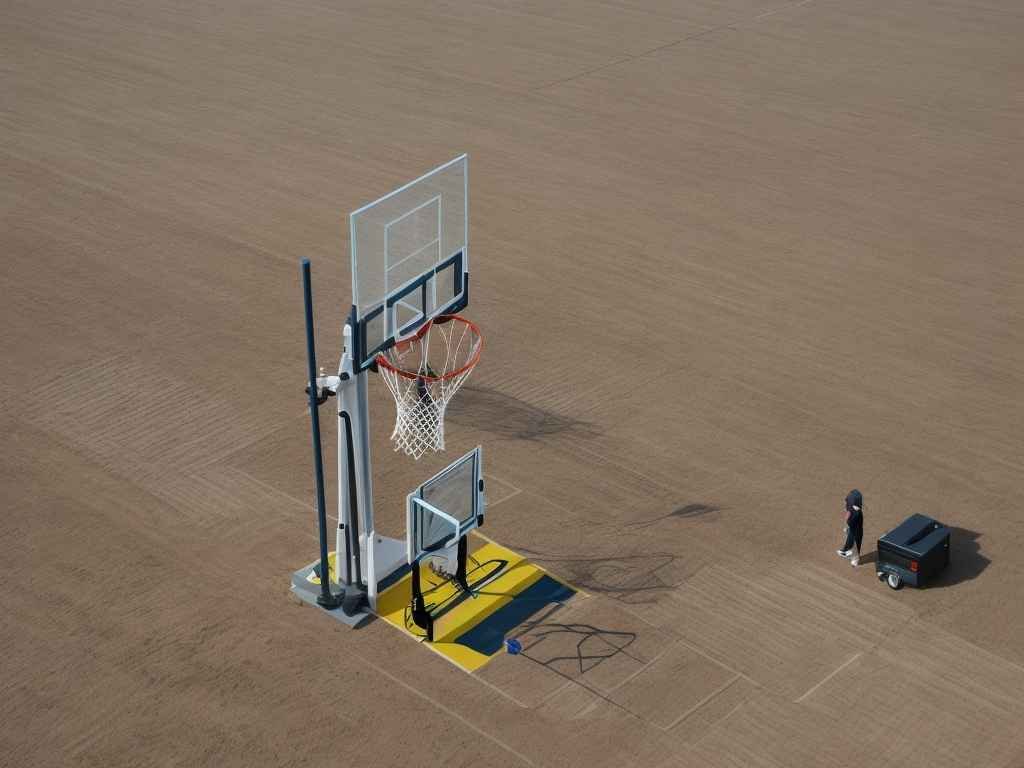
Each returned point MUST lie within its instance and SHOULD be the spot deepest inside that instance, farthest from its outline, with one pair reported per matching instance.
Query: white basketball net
(424, 373)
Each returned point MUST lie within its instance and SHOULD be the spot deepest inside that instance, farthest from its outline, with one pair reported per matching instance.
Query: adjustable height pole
(354, 461)
(326, 598)
(355, 597)
(345, 458)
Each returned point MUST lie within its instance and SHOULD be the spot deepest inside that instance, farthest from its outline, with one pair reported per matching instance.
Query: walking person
(854, 527)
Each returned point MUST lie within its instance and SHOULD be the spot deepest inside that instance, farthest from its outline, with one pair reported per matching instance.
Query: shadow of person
(869, 557)
(966, 561)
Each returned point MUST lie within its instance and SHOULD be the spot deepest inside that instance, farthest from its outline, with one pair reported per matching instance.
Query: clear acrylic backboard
(410, 258)
(446, 507)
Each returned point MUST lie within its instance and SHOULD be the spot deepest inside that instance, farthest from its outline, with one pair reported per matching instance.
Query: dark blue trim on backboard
(464, 301)
(420, 283)
(366, 355)
(363, 345)
(456, 259)
(358, 334)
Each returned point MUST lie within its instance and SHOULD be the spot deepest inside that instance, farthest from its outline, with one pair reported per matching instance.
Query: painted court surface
(731, 259)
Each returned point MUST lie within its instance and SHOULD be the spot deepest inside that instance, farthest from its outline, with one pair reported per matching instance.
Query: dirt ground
(731, 259)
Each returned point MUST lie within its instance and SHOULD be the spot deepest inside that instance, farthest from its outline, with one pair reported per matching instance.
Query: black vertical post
(355, 596)
(420, 615)
(461, 577)
(326, 598)
(352, 537)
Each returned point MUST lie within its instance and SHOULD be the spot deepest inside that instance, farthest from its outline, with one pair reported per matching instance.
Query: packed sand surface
(731, 259)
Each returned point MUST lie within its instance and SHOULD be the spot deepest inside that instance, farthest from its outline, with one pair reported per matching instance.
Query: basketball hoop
(423, 373)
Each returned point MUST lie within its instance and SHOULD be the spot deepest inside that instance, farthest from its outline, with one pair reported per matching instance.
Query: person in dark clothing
(854, 527)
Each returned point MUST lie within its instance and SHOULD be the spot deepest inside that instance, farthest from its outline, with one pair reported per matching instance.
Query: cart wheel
(894, 581)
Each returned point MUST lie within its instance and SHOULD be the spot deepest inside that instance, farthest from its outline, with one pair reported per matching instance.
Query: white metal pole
(344, 513)
(364, 480)
(346, 402)
(353, 398)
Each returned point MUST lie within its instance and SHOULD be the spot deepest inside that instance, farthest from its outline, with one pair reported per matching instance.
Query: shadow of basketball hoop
(571, 648)
(510, 418)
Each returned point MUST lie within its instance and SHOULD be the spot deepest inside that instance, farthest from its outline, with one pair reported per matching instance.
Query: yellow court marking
(495, 574)
(332, 558)
(574, 587)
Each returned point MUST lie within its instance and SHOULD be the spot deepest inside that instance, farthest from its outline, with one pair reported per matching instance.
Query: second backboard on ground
(410, 259)
(447, 506)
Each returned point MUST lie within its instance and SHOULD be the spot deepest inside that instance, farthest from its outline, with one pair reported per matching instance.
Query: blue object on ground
(488, 636)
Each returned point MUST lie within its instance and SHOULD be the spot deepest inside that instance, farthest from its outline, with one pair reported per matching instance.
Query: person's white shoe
(855, 562)
(843, 552)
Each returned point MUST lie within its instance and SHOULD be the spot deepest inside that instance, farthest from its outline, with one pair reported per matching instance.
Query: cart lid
(915, 536)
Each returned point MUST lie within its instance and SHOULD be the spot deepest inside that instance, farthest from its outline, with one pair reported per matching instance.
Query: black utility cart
(913, 552)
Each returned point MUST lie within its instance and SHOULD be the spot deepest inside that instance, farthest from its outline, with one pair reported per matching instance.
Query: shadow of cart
(966, 562)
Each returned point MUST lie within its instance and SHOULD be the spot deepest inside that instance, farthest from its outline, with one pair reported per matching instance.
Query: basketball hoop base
(308, 593)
